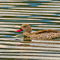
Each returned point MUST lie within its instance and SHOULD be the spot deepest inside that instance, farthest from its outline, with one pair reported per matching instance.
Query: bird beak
(19, 30)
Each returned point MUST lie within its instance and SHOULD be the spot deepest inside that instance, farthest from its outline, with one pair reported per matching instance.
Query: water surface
(40, 14)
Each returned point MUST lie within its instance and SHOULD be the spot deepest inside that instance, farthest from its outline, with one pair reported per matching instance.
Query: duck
(38, 35)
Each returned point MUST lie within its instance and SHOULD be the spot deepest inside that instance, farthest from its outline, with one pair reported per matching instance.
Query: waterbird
(39, 35)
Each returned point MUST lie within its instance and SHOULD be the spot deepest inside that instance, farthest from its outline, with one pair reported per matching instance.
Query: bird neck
(27, 34)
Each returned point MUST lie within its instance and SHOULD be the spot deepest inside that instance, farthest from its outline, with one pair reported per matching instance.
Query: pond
(40, 15)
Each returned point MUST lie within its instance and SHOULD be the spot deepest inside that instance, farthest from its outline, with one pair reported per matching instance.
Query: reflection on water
(40, 14)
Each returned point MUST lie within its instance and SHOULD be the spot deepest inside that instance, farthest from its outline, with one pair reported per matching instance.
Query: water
(40, 14)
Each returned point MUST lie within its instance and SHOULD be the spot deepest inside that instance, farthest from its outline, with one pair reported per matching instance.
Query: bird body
(42, 34)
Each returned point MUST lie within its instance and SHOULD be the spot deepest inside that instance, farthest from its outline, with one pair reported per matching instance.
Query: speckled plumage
(42, 34)
(45, 36)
